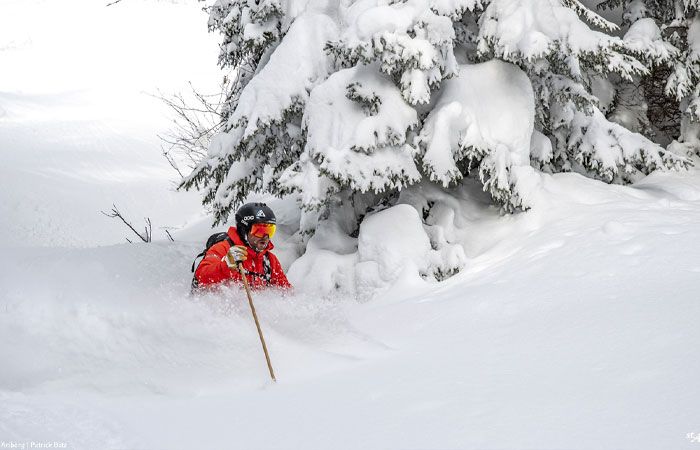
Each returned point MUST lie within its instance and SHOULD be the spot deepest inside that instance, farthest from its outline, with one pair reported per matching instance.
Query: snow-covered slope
(573, 326)
(78, 123)
(63, 161)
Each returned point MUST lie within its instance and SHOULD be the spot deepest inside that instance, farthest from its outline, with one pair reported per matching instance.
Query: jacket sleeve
(212, 269)
(278, 278)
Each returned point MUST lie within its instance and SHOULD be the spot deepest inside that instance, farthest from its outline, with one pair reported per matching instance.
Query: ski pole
(257, 323)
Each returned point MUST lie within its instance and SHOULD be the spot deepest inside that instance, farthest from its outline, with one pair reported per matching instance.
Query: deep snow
(572, 326)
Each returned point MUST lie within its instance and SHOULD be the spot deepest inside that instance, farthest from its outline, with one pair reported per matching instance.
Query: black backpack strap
(267, 268)
(195, 285)
(195, 259)
(266, 275)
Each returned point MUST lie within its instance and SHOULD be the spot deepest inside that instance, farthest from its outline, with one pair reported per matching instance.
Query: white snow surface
(571, 326)
(79, 124)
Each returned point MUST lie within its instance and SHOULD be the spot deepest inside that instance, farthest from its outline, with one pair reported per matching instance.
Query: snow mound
(392, 246)
(393, 251)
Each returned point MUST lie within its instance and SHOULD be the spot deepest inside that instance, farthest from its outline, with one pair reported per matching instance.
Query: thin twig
(116, 214)
(148, 231)
(197, 118)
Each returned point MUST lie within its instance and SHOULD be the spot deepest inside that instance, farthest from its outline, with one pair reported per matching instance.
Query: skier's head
(256, 224)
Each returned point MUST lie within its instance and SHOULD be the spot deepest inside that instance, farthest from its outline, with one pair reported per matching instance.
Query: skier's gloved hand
(236, 254)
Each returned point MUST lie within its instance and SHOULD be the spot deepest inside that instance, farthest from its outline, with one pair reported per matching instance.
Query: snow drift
(570, 323)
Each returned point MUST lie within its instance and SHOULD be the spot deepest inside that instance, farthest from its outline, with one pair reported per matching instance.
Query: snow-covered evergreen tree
(564, 57)
(675, 25)
(251, 31)
(351, 102)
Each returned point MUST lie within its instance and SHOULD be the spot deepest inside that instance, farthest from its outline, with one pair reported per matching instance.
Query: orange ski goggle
(260, 230)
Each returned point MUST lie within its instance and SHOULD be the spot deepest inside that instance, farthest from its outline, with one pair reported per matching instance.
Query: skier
(248, 243)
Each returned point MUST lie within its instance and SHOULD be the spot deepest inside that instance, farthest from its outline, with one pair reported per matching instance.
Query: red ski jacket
(213, 270)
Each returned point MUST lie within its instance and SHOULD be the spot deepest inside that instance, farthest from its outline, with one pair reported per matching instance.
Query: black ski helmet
(251, 213)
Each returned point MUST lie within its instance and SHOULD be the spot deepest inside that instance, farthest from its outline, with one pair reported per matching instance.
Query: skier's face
(258, 243)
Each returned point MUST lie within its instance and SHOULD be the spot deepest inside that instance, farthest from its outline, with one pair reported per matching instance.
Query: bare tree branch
(199, 117)
(113, 3)
(146, 237)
